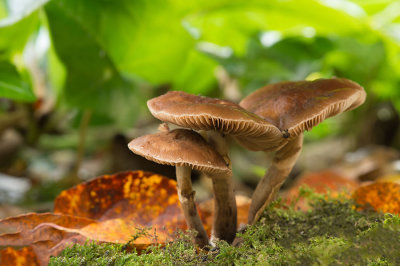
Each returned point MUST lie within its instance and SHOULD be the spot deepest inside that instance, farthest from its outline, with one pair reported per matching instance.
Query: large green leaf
(14, 37)
(141, 38)
(374, 6)
(197, 75)
(292, 58)
(107, 47)
(361, 61)
(231, 22)
(3, 10)
(16, 28)
(92, 76)
(12, 86)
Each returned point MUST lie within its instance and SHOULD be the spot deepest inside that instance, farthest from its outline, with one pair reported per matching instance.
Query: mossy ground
(331, 233)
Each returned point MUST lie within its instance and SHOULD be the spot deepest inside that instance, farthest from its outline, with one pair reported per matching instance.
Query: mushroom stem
(225, 213)
(218, 141)
(280, 168)
(186, 197)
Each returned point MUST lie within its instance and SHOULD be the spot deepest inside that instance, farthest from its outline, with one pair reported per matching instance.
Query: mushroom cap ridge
(180, 147)
(204, 113)
(300, 105)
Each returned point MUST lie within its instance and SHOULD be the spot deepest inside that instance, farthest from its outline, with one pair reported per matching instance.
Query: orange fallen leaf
(321, 182)
(20, 257)
(126, 199)
(381, 196)
(140, 194)
(395, 178)
(109, 208)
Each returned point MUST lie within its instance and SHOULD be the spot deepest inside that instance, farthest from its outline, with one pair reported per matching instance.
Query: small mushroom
(293, 107)
(186, 150)
(218, 118)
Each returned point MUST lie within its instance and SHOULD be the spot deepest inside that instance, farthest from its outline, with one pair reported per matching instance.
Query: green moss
(331, 233)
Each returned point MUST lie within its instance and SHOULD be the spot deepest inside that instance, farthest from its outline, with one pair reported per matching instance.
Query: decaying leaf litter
(107, 209)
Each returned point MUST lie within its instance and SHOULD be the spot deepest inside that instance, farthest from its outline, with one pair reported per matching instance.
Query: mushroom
(186, 150)
(216, 115)
(218, 118)
(293, 107)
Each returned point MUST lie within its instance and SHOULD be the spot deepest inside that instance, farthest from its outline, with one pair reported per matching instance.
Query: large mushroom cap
(298, 106)
(180, 147)
(204, 113)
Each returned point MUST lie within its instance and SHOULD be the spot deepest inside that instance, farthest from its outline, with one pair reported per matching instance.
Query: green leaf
(16, 28)
(352, 59)
(230, 23)
(152, 43)
(92, 77)
(56, 73)
(197, 75)
(14, 37)
(3, 10)
(12, 86)
(292, 58)
(373, 6)
(142, 39)
(108, 48)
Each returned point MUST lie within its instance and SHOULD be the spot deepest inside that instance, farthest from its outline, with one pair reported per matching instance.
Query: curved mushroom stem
(280, 168)
(225, 213)
(186, 197)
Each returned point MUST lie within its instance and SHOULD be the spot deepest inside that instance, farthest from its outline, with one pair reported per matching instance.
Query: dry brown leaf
(110, 208)
(381, 196)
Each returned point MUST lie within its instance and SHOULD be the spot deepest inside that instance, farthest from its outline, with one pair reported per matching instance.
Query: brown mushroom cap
(180, 147)
(204, 113)
(298, 106)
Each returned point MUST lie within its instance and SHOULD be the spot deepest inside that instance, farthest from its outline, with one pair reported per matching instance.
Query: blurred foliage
(12, 85)
(111, 56)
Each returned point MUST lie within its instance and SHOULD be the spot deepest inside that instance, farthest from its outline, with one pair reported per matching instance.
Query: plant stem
(33, 130)
(268, 187)
(186, 197)
(83, 127)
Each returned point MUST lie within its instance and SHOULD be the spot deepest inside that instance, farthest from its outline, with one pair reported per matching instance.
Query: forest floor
(331, 232)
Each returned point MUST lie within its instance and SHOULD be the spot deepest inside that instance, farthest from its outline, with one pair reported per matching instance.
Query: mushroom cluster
(273, 118)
